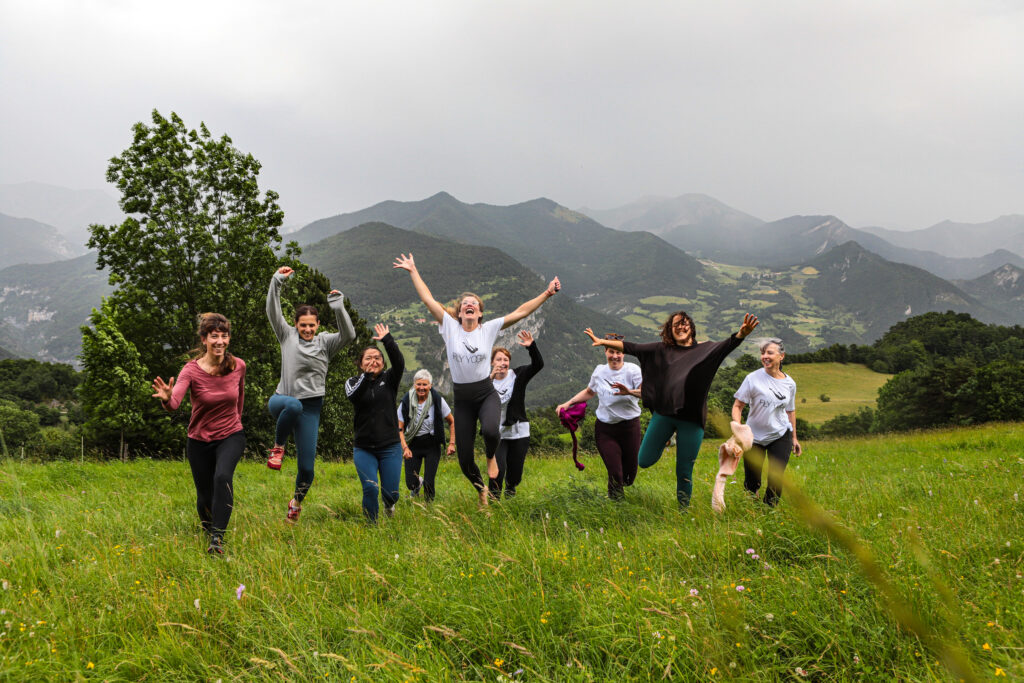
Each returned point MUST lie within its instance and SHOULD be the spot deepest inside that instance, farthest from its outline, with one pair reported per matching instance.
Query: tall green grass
(106, 577)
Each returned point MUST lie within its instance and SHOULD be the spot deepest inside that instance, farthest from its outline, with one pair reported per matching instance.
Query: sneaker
(293, 511)
(485, 497)
(389, 510)
(216, 546)
(275, 458)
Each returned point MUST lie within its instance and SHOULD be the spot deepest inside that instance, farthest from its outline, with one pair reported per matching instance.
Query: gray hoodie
(304, 363)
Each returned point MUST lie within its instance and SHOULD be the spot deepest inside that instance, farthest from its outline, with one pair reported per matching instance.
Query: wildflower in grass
(755, 556)
(769, 617)
(90, 665)
(750, 551)
(620, 545)
(499, 662)
(990, 624)
(6, 585)
(693, 592)
(239, 591)
(1000, 672)
(986, 647)
(800, 672)
(196, 603)
(856, 658)
(740, 589)
(714, 671)
(517, 672)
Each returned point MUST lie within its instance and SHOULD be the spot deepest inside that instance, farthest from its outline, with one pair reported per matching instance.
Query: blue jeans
(301, 419)
(387, 461)
(689, 436)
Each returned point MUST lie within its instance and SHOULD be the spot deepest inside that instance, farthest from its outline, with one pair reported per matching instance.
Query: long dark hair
(214, 322)
(666, 329)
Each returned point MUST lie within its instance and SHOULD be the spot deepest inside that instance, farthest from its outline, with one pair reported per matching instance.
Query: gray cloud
(896, 114)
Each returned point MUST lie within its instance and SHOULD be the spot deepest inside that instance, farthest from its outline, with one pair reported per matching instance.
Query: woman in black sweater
(515, 430)
(377, 448)
(677, 375)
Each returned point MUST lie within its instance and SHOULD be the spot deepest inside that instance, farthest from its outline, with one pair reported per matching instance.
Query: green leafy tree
(19, 426)
(115, 392)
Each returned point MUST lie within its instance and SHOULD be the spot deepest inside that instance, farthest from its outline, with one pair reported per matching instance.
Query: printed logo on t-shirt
(471, 349)
(781, 397)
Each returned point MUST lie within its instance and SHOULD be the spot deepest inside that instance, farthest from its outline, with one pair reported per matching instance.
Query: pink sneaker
(276, 457)
(293, 511)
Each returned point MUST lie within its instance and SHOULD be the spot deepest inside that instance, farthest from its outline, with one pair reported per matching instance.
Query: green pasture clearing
(104, 574)
(849, 386)
(664, 301)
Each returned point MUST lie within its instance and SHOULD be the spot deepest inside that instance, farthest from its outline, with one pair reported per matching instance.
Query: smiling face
(499, 365)
(470, 310)
(307, 326)
(372, 361)
(614, 357)
(422, 389)
(771, 357)
(682, 330)
(216, 342)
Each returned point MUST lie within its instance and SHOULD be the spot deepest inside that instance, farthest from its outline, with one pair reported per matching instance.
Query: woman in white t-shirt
(771, 395)
(468, 343)
(617, 430)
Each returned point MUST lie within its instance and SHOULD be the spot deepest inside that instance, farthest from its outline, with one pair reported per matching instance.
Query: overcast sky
(898, 114)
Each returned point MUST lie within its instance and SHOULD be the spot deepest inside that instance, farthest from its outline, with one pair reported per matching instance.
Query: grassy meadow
(104, 574)
(849, 386)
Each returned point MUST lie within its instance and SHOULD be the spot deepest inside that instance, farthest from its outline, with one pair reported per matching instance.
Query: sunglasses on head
(614, 336)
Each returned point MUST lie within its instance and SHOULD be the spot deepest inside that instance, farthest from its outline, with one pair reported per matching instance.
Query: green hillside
(608, 269)
(44, 305)
(849, 386)
(359, 263)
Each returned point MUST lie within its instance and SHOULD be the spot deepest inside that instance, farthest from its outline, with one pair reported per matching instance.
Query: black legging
(213, 466)
(778, 457)
(511, 455)
(426, 451)
(475, 401)
(618, 444)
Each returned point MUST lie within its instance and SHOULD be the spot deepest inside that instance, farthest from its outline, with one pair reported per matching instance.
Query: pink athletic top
(216, 400)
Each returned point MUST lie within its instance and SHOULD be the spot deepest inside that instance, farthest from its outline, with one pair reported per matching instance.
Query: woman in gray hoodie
(299, 396)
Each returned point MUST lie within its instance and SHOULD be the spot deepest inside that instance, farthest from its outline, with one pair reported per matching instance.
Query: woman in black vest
(420, 429)
(515, 430)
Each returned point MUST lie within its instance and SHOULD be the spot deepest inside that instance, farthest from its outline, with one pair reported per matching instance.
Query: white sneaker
(389, 510)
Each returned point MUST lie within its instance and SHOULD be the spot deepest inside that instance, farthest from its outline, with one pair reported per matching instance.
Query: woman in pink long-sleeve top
(216, 381)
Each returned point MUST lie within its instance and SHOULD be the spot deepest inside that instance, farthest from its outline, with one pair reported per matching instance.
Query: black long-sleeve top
(677, 379)
(375, 422)
(515, 411)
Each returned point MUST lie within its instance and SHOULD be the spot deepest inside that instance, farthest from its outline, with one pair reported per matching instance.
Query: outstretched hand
(286, 271)
(554, 286)
(750, 321)
(593, 337)
(405, 263)
(525, 338)
(162, 389)
(381, 331)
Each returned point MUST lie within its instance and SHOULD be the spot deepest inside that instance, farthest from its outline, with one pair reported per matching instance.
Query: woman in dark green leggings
(677, 375)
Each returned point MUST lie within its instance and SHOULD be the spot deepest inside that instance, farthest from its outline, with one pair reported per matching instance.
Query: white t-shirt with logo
(612, 408)
(504, 388)
(469, 353)
(769, 399)
(427, 426)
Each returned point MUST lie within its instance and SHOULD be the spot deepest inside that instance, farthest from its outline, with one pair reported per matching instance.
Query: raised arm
(406, 263)
(346, 330)
(274, 314)
(172, 393)
(610, 343)
(532, 305)
(749, 323)
(395, 357)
